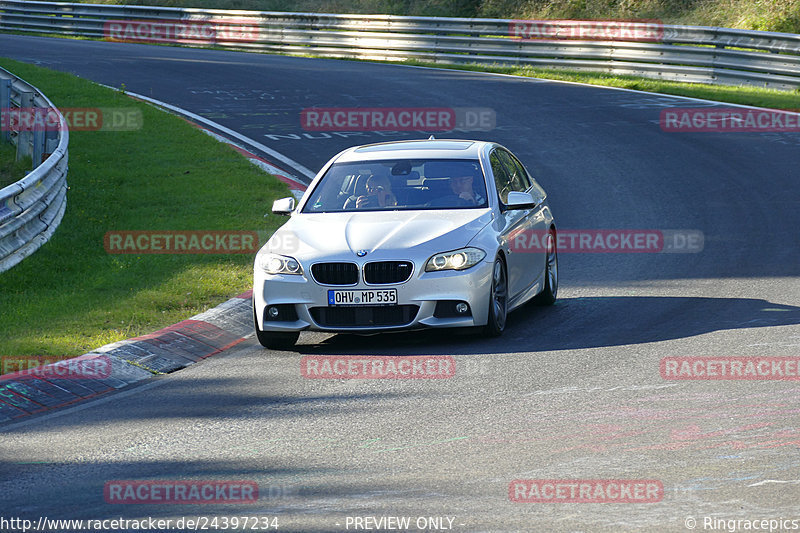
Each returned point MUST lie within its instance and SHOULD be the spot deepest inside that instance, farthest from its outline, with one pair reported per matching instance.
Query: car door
(527, 227)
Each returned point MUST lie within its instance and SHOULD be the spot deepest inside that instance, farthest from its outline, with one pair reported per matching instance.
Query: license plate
(363, 297)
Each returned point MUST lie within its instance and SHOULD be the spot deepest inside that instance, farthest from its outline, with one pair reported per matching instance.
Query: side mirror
(284, 206)
(520, 200)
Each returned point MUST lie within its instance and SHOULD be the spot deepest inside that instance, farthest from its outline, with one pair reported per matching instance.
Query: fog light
(273, 312)
(461, 308)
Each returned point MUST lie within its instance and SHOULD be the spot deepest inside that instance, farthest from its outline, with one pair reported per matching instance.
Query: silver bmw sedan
(405, 235)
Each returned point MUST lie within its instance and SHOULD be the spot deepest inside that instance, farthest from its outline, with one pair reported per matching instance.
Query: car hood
(309, 236)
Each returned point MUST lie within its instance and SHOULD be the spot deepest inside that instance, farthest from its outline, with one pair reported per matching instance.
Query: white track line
(227, 131)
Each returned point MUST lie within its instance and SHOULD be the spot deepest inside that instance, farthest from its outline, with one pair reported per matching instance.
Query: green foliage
(770, 15)
(754, 96)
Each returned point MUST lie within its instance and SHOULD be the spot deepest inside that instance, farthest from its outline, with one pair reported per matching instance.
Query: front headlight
(456, 260)
(279, 264)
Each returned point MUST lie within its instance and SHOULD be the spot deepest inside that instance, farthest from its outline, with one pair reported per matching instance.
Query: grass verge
(754, 96)
(71, 296)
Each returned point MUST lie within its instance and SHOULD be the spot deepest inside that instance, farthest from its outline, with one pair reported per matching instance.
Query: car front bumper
(303, 303)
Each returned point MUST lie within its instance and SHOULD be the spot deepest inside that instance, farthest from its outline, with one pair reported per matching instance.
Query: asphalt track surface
(569, 392)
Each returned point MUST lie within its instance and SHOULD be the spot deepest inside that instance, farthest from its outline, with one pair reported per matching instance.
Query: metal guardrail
(32, 208)
(682, 53)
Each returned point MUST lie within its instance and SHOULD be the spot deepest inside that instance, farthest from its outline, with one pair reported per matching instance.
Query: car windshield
(399, 185)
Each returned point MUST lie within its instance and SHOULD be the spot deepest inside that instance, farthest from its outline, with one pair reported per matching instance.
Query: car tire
(550, 291)
(498, 300)
(275, 340)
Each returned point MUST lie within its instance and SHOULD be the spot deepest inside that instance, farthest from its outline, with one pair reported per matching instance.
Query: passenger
(462, 187)
(379, 194)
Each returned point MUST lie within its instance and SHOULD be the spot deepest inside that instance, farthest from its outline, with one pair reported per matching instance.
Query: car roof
(415, 149)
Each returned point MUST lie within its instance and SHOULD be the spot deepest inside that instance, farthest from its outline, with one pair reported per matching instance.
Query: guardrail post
(38, 144)
(25, 135)
(50, 143)
(5, 109)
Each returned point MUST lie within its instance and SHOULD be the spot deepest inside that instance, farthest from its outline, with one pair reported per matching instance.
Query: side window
(536, 189)
(517, 176)
(502, 180)
(523, 175)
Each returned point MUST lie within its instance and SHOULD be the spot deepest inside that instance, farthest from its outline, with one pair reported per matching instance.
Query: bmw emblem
(361, 253)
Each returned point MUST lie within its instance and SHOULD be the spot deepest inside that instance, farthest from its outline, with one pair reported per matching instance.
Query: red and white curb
(132, 360)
